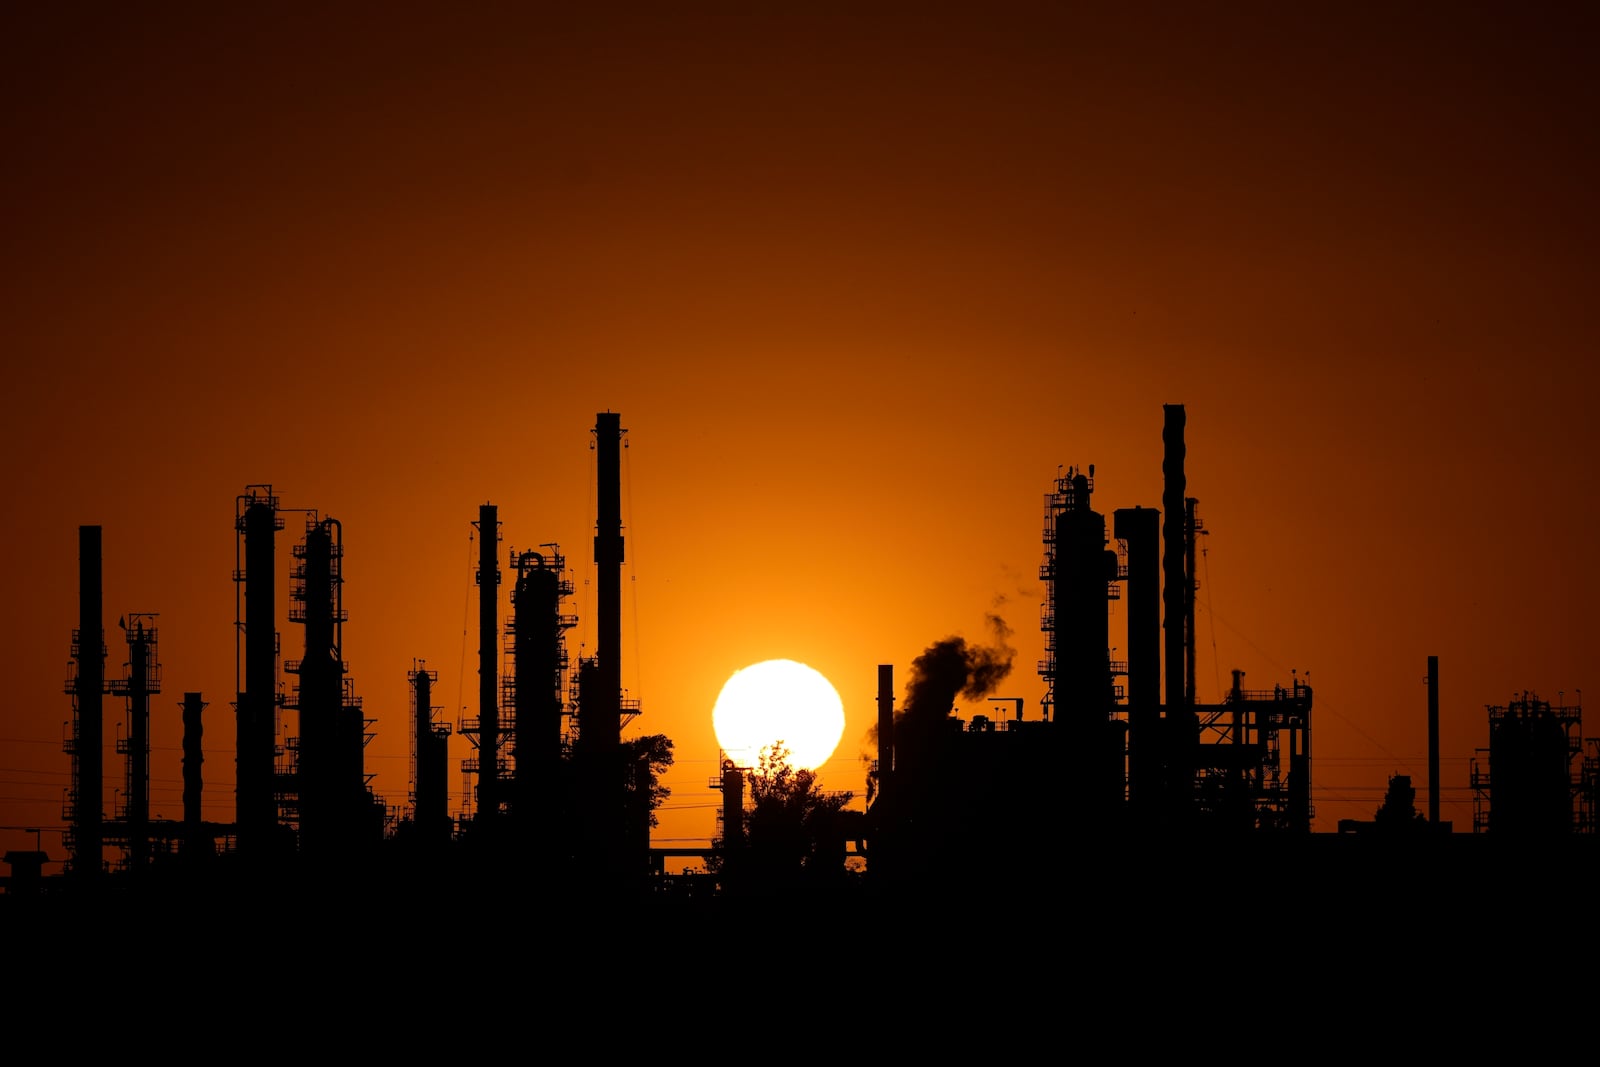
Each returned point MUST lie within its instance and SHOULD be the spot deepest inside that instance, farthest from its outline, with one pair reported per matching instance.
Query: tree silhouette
(794, 830)
(646, 759)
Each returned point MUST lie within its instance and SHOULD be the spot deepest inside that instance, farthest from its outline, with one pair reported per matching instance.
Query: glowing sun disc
(779, 700)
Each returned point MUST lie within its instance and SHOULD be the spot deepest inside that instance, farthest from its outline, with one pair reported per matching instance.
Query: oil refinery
(1122, 761)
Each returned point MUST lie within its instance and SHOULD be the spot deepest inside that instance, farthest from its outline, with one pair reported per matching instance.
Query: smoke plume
(953, 668)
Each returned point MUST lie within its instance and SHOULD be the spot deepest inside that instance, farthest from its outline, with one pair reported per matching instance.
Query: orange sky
(859, 280)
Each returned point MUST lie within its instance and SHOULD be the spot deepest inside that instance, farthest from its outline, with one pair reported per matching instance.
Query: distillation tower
(142, 679)
(257, 522)
(430, 759)
(327, 775)
(1529, 782)
(483, 732)
(85, 813)
(534, 691)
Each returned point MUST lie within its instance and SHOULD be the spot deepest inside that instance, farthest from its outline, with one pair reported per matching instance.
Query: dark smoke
(948, 669)
(952, 668)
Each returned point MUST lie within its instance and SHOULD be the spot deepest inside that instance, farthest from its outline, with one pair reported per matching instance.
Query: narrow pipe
(488, 675)
(1172, 517)
(1433, 741)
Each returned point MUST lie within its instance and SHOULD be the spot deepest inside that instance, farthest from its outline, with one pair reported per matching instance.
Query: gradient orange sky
(860, 280)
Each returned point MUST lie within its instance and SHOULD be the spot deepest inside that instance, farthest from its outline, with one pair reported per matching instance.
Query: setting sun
(779, 700)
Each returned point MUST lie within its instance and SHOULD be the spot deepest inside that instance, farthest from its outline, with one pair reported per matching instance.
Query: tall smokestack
(257, 711)
(885, 727)
(606, 771)
(488, 650)
(1180, 734)
(1139, 528)
(1172, 530)
(193, 759)
(608, 558)
(1191, 539)
(1433, 741)
(88, 736)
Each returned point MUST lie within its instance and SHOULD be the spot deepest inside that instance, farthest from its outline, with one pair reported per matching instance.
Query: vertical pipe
(257, 720)
(1433, 741)
(1300, 762)
(1191, 535)
(422, 734)
(604, 750)
(1241, 725)
(316, 708)
(1172, 507)
(432, 814)
(885, 728)
(732, 808)
(608, 557)
(88, 738)
(1179, 736)
(1140, 529)
(488, 646)
(140, 685)
(193, 758)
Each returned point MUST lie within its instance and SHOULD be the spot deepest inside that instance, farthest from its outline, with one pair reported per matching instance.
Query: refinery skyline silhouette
(1136, 771)
(875, 287)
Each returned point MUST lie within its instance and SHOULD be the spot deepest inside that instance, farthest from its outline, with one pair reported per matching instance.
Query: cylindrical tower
(1081, 688)
(601, 771)
(1173, 520)
(1191, 582)
(193, 779)
(320, 694)
(1083, 570)
(885, 729)
(87, 689)
(1180, 732)
(1433, 741)
(1530, 754)
(489, 799)
(431, 773)
(1139, 529)
(143, 680)
(732, 808)
(257, 522)
(608, 558)
(540, 660)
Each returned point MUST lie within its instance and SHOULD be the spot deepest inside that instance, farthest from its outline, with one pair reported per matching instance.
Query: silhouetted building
(85, 811)
(1527, 785)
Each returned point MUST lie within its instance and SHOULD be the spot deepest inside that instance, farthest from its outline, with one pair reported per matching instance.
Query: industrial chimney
(257, 521)
(488, 673)
(608, 558)
(1173, 517)
(87, 689)
(193, 778)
